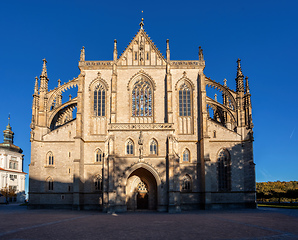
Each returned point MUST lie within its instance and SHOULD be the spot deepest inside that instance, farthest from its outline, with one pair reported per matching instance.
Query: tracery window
(98, 183)
(153, 147)
(99, 101)
(224, 170)
(98, 156)
(186, 155)
(142, 99)
(184, 101)
(50, 159)
(142, 187)
(129, 147)
(186, 183)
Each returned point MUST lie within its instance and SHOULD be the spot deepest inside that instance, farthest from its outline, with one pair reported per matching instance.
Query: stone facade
(145, 136)
(12, 177)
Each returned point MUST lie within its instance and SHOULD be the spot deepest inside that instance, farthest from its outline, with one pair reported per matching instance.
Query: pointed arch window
(129, 147)
(186, 183)
(99, 101)
(153, 147)
(224, 170)
(142, 99)
(98, 156)
(50, 159)
(186, 155)
(98, 183)
(184, 101)
(49, 184)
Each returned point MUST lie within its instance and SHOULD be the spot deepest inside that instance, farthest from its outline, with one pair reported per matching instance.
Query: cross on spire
(142, 21)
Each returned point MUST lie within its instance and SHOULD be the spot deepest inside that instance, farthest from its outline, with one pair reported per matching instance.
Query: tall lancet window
(224, 170)
(142, 99)
(153, 147)
(99, 101)
(184, 101)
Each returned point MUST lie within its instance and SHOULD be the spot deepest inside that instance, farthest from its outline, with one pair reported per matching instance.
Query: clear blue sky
(262, 33)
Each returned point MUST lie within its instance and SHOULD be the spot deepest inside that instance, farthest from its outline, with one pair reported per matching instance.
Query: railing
(141, 126)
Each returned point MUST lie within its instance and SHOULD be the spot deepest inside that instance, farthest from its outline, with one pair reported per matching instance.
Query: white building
(11, 167)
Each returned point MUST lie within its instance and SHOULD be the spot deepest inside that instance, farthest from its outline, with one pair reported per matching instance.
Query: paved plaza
(264, 223)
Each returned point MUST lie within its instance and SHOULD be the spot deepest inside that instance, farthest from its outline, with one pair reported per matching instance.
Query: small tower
(8, 134)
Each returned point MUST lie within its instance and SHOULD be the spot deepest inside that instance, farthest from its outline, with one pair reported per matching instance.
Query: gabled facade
(12, 177)
(145, 136)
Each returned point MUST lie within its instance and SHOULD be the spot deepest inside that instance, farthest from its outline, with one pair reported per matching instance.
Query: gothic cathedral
(141, 133)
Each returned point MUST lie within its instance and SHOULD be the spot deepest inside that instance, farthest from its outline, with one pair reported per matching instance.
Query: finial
(239, 71)
(44, 68)
(201, 56)
(239, 78)
(215, 97)
(82, 56)
(115, 55)
(59, 82)
(8, 127)
(69, 97)
(168, 49)
(98, 75)
(142, 21)
(225, 82)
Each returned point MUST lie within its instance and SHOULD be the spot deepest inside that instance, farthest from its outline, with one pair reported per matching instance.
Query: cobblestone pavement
(261, 224)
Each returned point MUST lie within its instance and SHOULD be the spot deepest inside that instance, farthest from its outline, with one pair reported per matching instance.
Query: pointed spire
(142, 21)
(8, 121)
(246, 85)
(201, 56)
(115, 50)
(36, 86)
(44, 69)
(82, 56)
(239, 78)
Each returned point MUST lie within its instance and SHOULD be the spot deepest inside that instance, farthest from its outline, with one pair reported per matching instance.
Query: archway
(141, 190)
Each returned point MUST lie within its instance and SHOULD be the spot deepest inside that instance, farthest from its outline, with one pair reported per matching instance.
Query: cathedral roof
(140, 44)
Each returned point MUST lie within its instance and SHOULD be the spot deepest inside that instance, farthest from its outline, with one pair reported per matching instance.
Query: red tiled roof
(11, 170)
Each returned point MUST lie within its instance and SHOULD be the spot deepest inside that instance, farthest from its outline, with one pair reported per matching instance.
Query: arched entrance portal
(141, 190)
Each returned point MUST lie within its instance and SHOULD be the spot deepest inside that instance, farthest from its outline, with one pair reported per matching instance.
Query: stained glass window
(99, 101)
(153, 147)
(142, 99)
(184, 101)
(224, 170)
